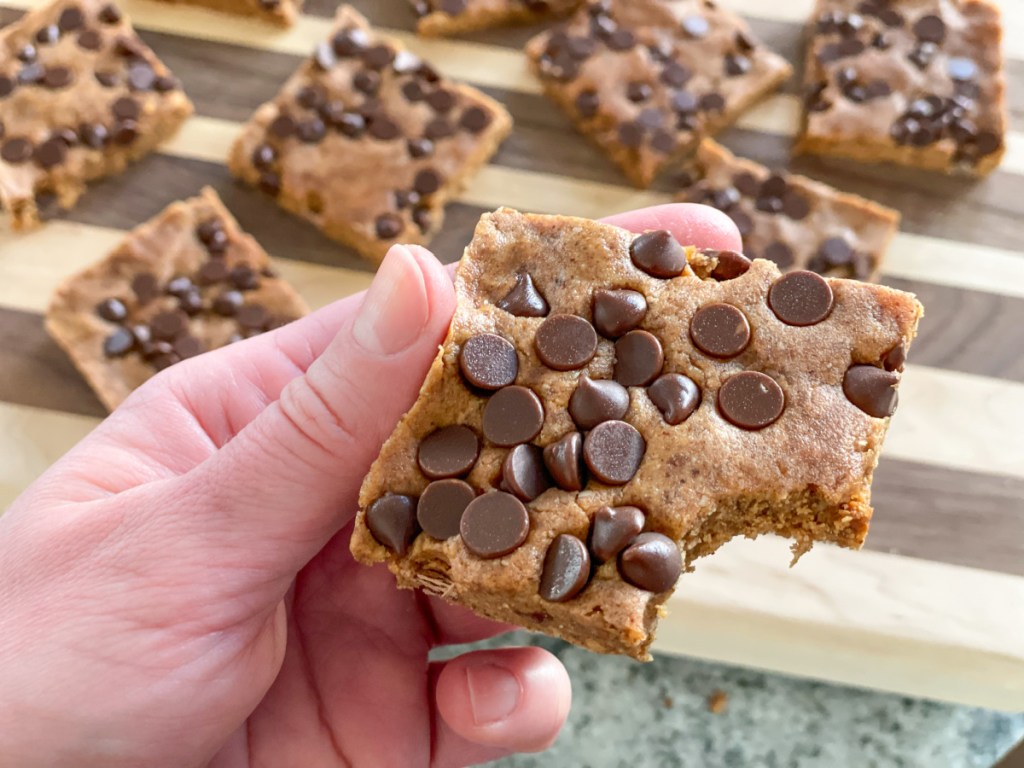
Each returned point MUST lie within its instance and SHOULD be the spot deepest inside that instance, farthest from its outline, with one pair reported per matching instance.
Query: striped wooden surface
(936, 607)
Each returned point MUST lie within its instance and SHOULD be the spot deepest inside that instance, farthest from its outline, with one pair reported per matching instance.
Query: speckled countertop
(629, 715)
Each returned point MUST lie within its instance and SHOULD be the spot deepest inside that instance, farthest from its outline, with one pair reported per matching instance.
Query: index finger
(690, 224)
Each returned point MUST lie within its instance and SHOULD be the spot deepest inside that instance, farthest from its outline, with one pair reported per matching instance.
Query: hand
(178, 590)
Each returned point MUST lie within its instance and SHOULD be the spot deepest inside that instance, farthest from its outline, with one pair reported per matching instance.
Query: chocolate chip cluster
(945, 101)
(604, 448)
(156, 321)
(126, 70)
(387, 87)
(645, 123)
(456, 7)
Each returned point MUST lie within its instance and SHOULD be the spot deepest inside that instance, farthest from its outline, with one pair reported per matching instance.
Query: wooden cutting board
(934, 607)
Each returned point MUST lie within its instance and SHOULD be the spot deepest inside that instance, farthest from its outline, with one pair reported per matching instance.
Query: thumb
(289, 480)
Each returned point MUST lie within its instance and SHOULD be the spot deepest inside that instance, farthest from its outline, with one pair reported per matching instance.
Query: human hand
(178, 590)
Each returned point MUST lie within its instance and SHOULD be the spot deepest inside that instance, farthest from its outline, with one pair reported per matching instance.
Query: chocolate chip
(406, 63)
(440, 507)
(70, 19)
(50, 153)
(695, 26)
(168, 325)
(125, 108)
(141, 76)
(638, 359)
(441, 101)
(613, 529)
(613, 451)
(213, 271)
(475, 120)
(349, 42)
(422, 218)
(621, 40)
(835, 251)
(252, 317)
(427, 182)
(311, 131)
(282, 126)
(112, 310)
(119, 343)
(494, 525)
(145, 287)
(93, 135)
(638, 92)
(350, 124)
(451, 7)
(31, 74)
(48, 35)
(871, 389)
(512, 415)
(227, 303)
(895, 358)
(751, 400)
(737, 64)
(923, 54)
(962, 69)
(565, 342)
(564, 461)
(683, 102)
(6, 86)
(244, 278)
(652, 562)
(488, 361)
(566, 569)
(90, 40)
(780, 253)
(384, 128)
(523, 473)
(730, 265)
(800, 298)
(367, 82)
(587, 103)
(27, 53)
(389, 226)
(378, 56)
(720, 330)
(323, 57)
(392, 521)
(618, 311)
(676, 396)
(676, 75)
(191, 303)
(179, 286)
(631, 135)
(524, 300)
(658, 254)
(593, 402)
(16, 151)
(107, 79)
(124, 132)
(110, 14)
(930, 28)
(712, 102)
(413, 91)
(187, 346)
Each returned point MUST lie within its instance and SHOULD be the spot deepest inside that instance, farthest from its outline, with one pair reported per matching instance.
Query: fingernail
(494, 693)
(395, 309)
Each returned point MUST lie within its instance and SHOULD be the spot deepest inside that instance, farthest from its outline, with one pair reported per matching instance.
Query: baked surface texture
(647, 450)
(797, 222)
(647, 79)
(919, 83)
(454, 17)
(187, 281)
(367, 141)
(81, 96)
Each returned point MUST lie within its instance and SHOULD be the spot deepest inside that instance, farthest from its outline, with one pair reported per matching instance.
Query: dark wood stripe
(950, 516)
(920, 511)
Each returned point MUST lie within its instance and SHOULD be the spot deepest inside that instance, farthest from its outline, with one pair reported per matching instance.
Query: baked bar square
(280, 12)
(367, 141)
(647, 79)
(452, 17)
(797, 222)
(607, 407)
(187, 281)
(918, 83)
(81, 96)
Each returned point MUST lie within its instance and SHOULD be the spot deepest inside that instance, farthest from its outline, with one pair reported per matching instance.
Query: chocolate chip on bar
(920, 84)
(80, 97)
(187, 281)
(454, 17)
(646, 79)
(665, 400)
(367, 141)
(797, 222)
